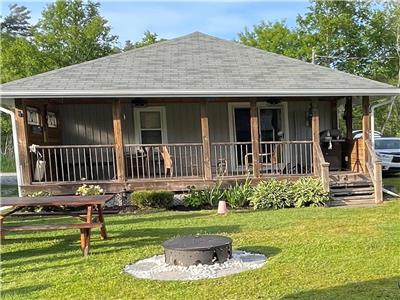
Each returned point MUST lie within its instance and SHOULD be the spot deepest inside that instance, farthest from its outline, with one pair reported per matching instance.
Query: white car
(388, 151)
(358, 134)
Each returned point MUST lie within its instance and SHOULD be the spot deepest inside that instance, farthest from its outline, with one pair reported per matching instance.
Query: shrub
(154, 199)
(239, 195)
(89, 190)
(272, 194)
(309, 192)
(205, 198)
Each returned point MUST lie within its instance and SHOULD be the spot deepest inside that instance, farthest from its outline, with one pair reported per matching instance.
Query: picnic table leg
(1, 228)
(85, 241)
(103, 231)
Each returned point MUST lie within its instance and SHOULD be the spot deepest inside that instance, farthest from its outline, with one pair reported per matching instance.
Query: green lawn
(313, 253)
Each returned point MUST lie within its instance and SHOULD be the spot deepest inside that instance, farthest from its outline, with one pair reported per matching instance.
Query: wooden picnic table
(89, 202)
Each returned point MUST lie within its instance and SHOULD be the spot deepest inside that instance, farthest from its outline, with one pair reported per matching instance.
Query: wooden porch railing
(374, 167)
(286, 158)
(321, 167)
(231, 159)
(163, 161)
(73, 163)
(76, 163)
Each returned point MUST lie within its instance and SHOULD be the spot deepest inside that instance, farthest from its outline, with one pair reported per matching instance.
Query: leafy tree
(273, 37)
(72, 32)
(148, 39)
(17, 22)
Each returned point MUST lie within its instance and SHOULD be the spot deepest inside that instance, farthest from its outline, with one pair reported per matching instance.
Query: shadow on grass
(119, 240)
(267, 251)
(21, 291)
(144, 217)
(387, 288)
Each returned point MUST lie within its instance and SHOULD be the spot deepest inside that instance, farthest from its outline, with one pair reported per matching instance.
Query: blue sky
(129, 19)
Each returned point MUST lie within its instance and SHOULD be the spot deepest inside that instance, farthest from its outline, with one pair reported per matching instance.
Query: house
(187, 112)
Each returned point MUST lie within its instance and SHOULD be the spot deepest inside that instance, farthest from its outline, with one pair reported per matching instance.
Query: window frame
(139, 129)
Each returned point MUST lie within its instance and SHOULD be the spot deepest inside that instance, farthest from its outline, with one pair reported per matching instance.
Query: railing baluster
(97, 163)
(73, 162)
(68, 173)
(102, 164)
(55, 162)
(113, 162)
(51, 168)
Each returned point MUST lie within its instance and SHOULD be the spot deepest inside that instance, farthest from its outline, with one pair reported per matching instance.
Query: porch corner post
(255, 137)
(205, 136)
(118, 140)
(315, 133)
(22, 135)
(365, 129)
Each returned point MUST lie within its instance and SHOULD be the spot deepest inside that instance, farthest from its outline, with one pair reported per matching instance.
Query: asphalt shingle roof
(195, 62)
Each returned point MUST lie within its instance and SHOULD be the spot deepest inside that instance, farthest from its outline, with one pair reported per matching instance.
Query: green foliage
(238, 196)
(40, 194)
(149, 38)
(72, 32)
(154, 199)
(89, 190)
(16, 23)
(7, 163)
(308, 192)
(205, 198)
(276, 194)
(272, 194)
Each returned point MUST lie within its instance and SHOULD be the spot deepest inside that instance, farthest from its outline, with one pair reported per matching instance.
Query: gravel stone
(155, 267)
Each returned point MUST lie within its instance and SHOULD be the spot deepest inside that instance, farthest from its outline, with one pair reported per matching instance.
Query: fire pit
(196, 257)
(198, 249)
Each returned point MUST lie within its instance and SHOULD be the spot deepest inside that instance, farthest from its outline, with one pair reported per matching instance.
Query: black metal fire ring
(197, 249)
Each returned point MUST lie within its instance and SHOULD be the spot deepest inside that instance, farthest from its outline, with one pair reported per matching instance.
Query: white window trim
(163, 114)
(231, 118)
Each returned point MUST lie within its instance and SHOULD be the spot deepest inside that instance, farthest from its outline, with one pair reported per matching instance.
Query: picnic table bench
(89, 202)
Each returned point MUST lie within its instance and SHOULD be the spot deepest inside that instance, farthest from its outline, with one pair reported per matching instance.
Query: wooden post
(255, 137)
(378, 182)
(348, 112)
(22, 134)
(315, 133)
(205, 136)
(365, 129)
(118, 140)
(334, 115)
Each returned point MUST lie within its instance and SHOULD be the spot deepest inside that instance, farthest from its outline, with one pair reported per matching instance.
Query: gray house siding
(92, 124)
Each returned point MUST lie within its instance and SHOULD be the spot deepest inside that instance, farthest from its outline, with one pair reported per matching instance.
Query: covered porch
(173, 143)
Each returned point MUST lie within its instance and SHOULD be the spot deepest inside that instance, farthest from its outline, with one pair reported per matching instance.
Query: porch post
(118, 140)
(348, 110)
(205, 136)
(22, 135)
(365, 129)
(255, 137)
(315, 133)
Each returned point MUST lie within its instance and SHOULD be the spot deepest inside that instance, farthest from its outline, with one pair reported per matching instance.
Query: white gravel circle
(155, 267)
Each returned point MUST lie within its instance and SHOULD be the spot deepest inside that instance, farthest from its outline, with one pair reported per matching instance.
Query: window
(151, 125)
(51, 120)
(33, 116)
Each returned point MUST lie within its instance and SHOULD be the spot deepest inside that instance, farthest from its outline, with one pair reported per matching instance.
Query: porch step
(351, 189)
(348, 191)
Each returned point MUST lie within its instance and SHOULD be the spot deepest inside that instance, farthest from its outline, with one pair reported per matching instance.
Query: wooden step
(351, 204)
(350, 184)
(347, 191)
(354, 198)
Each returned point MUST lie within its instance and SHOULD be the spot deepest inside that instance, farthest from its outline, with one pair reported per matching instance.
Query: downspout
(15, 144)
(372, 110)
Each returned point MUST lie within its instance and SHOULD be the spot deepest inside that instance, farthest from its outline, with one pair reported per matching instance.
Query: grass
(7, 164)
(313, 253)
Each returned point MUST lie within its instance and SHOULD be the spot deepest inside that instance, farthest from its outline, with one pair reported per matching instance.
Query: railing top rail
(73, 146)
(286, 142)
(161, 145)
(231, 143)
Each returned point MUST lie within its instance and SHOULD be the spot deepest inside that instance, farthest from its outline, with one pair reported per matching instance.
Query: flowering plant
(89, 190)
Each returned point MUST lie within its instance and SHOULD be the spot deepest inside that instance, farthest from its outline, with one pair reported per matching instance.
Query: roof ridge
(110, 56)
